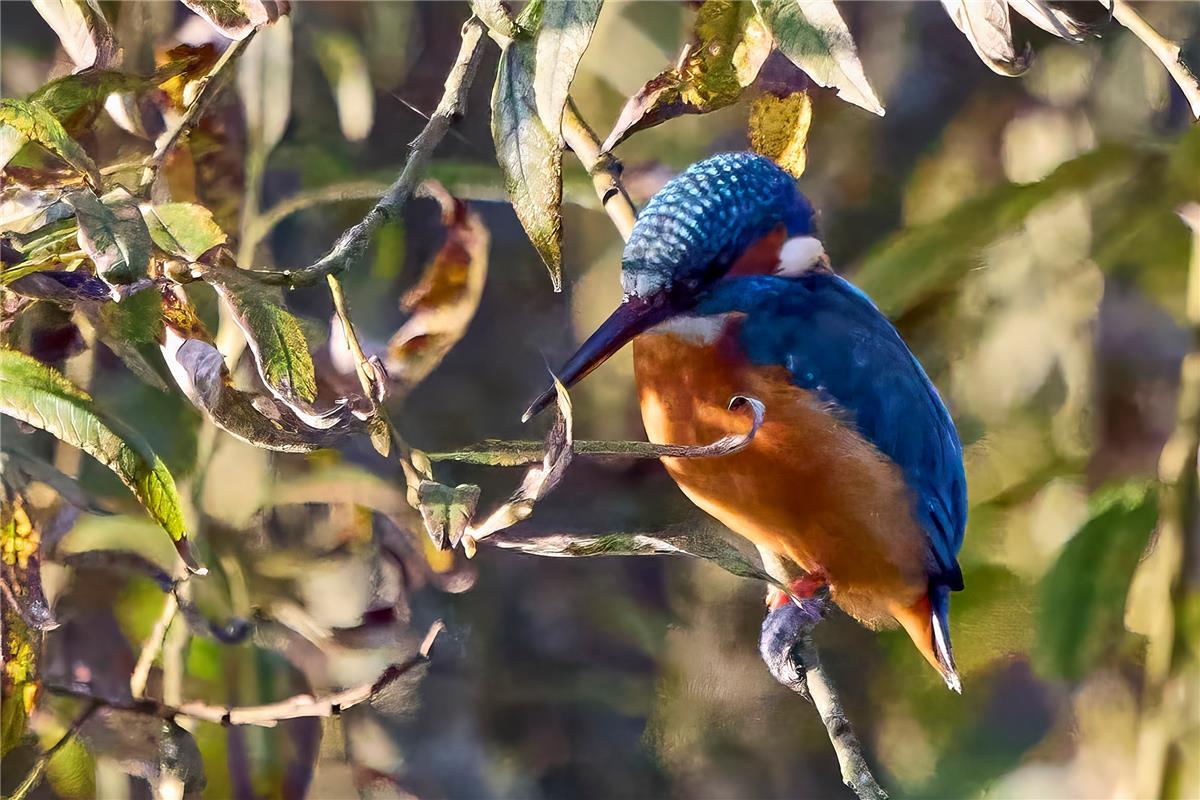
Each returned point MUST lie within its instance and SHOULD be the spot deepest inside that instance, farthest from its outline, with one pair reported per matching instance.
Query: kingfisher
(854, 483)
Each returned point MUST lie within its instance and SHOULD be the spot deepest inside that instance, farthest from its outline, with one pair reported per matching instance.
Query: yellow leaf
(779, 129)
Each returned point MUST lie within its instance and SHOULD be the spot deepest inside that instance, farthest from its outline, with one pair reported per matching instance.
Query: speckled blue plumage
(704, 218)
(836, 343)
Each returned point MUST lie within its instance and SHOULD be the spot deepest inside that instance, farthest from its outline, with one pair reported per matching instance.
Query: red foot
(803, 588)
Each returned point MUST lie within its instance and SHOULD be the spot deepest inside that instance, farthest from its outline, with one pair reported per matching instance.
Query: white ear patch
(799, 255)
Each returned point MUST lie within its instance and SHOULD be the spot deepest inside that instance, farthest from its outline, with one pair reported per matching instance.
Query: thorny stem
(210, 84)
(270, 714)
(352, 245)
(39, 768)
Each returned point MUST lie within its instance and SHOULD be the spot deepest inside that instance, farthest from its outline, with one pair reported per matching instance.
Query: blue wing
(836, 343)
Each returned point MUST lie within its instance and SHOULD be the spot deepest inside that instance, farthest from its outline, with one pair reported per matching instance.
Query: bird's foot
(803, 588)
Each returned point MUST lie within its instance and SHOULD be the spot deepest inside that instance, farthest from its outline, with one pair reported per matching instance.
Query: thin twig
(352, 245)
(604, 168)
(39, 768)
(210, 84)
(267, 715)
(1165, 51)
(152, 647)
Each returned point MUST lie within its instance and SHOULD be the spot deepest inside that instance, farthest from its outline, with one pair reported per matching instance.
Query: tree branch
(270, 714)
(787, 648)
(352, 245)
(604, 168)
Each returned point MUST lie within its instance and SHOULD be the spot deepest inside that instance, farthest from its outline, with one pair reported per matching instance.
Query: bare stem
(39, 768)
(153, 646)
(1164, 50)
(604, 168)
(210, 84)
(352, 245)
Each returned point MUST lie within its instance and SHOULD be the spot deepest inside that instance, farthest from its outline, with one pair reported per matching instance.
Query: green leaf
(561, 41)
(132, 329)
(23, 210)
(69, 95)
(814, 37)
(22, 121)
(82, 29)
(39, 396)
(264, 81)
(529, 156)
(186, 230)
(345, 67)
(729, 45)
(113, 234)
(1082, 596)
(272, 333)
(236, 19)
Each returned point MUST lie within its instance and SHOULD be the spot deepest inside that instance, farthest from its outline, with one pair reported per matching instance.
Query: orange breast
(808, 488)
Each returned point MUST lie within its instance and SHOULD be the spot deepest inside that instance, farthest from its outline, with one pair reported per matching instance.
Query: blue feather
(835, 342)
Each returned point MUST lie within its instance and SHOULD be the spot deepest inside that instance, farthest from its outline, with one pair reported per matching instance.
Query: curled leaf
(729, 45)
(561, 41)
(39, 396)
(22, 121)
(987, 27)
(112, 233)
(529, 155)
(779, 129)
(538, 481)
(814, 37)
(237, 19)
(444, 300)
(200, 372)
(81, 29)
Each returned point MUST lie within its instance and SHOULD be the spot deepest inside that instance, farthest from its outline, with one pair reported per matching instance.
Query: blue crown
(698, 225)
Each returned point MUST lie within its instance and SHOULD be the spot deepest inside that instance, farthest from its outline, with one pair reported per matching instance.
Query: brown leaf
(729, 45)
(442, 304)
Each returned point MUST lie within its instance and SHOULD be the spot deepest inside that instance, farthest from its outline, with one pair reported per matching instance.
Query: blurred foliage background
(1023, 233)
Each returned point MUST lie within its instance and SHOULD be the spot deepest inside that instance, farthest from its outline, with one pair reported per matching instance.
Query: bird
(854, 483)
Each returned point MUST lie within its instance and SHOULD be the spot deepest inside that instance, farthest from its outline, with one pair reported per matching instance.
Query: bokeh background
(1023, 234)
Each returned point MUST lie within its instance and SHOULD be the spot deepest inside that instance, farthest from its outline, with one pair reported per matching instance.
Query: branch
(352, 245)
(209, 86)
(39, 767)
(787, 648)
(604, 168)
(267, 716)
(1165, 51)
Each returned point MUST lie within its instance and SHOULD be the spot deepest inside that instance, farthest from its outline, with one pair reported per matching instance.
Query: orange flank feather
(808, 489)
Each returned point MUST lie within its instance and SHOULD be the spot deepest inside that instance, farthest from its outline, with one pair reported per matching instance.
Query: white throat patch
(694, 330)
(799, 255)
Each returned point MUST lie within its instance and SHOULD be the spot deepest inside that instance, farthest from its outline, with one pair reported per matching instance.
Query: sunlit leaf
(186, 230)
(39, 396)
(986, 25)
(19, 677)
(729, 45)
(1049, 18)
(561, 41)
(237, 19)
(779, 129)
(813, 35)
(82, 29)
(529, 155)
(1082, 596)
(113, 234)
(345, 67)
(23, 210)
(264, 81)
(20, 561)
(199, 370)
(22, 121)
(443, 301)
(273, 334)
(497, 17)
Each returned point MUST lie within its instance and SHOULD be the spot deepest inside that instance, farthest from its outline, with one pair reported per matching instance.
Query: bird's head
(731, 214)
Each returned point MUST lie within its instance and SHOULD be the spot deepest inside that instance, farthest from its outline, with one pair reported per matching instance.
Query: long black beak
(633, 316)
